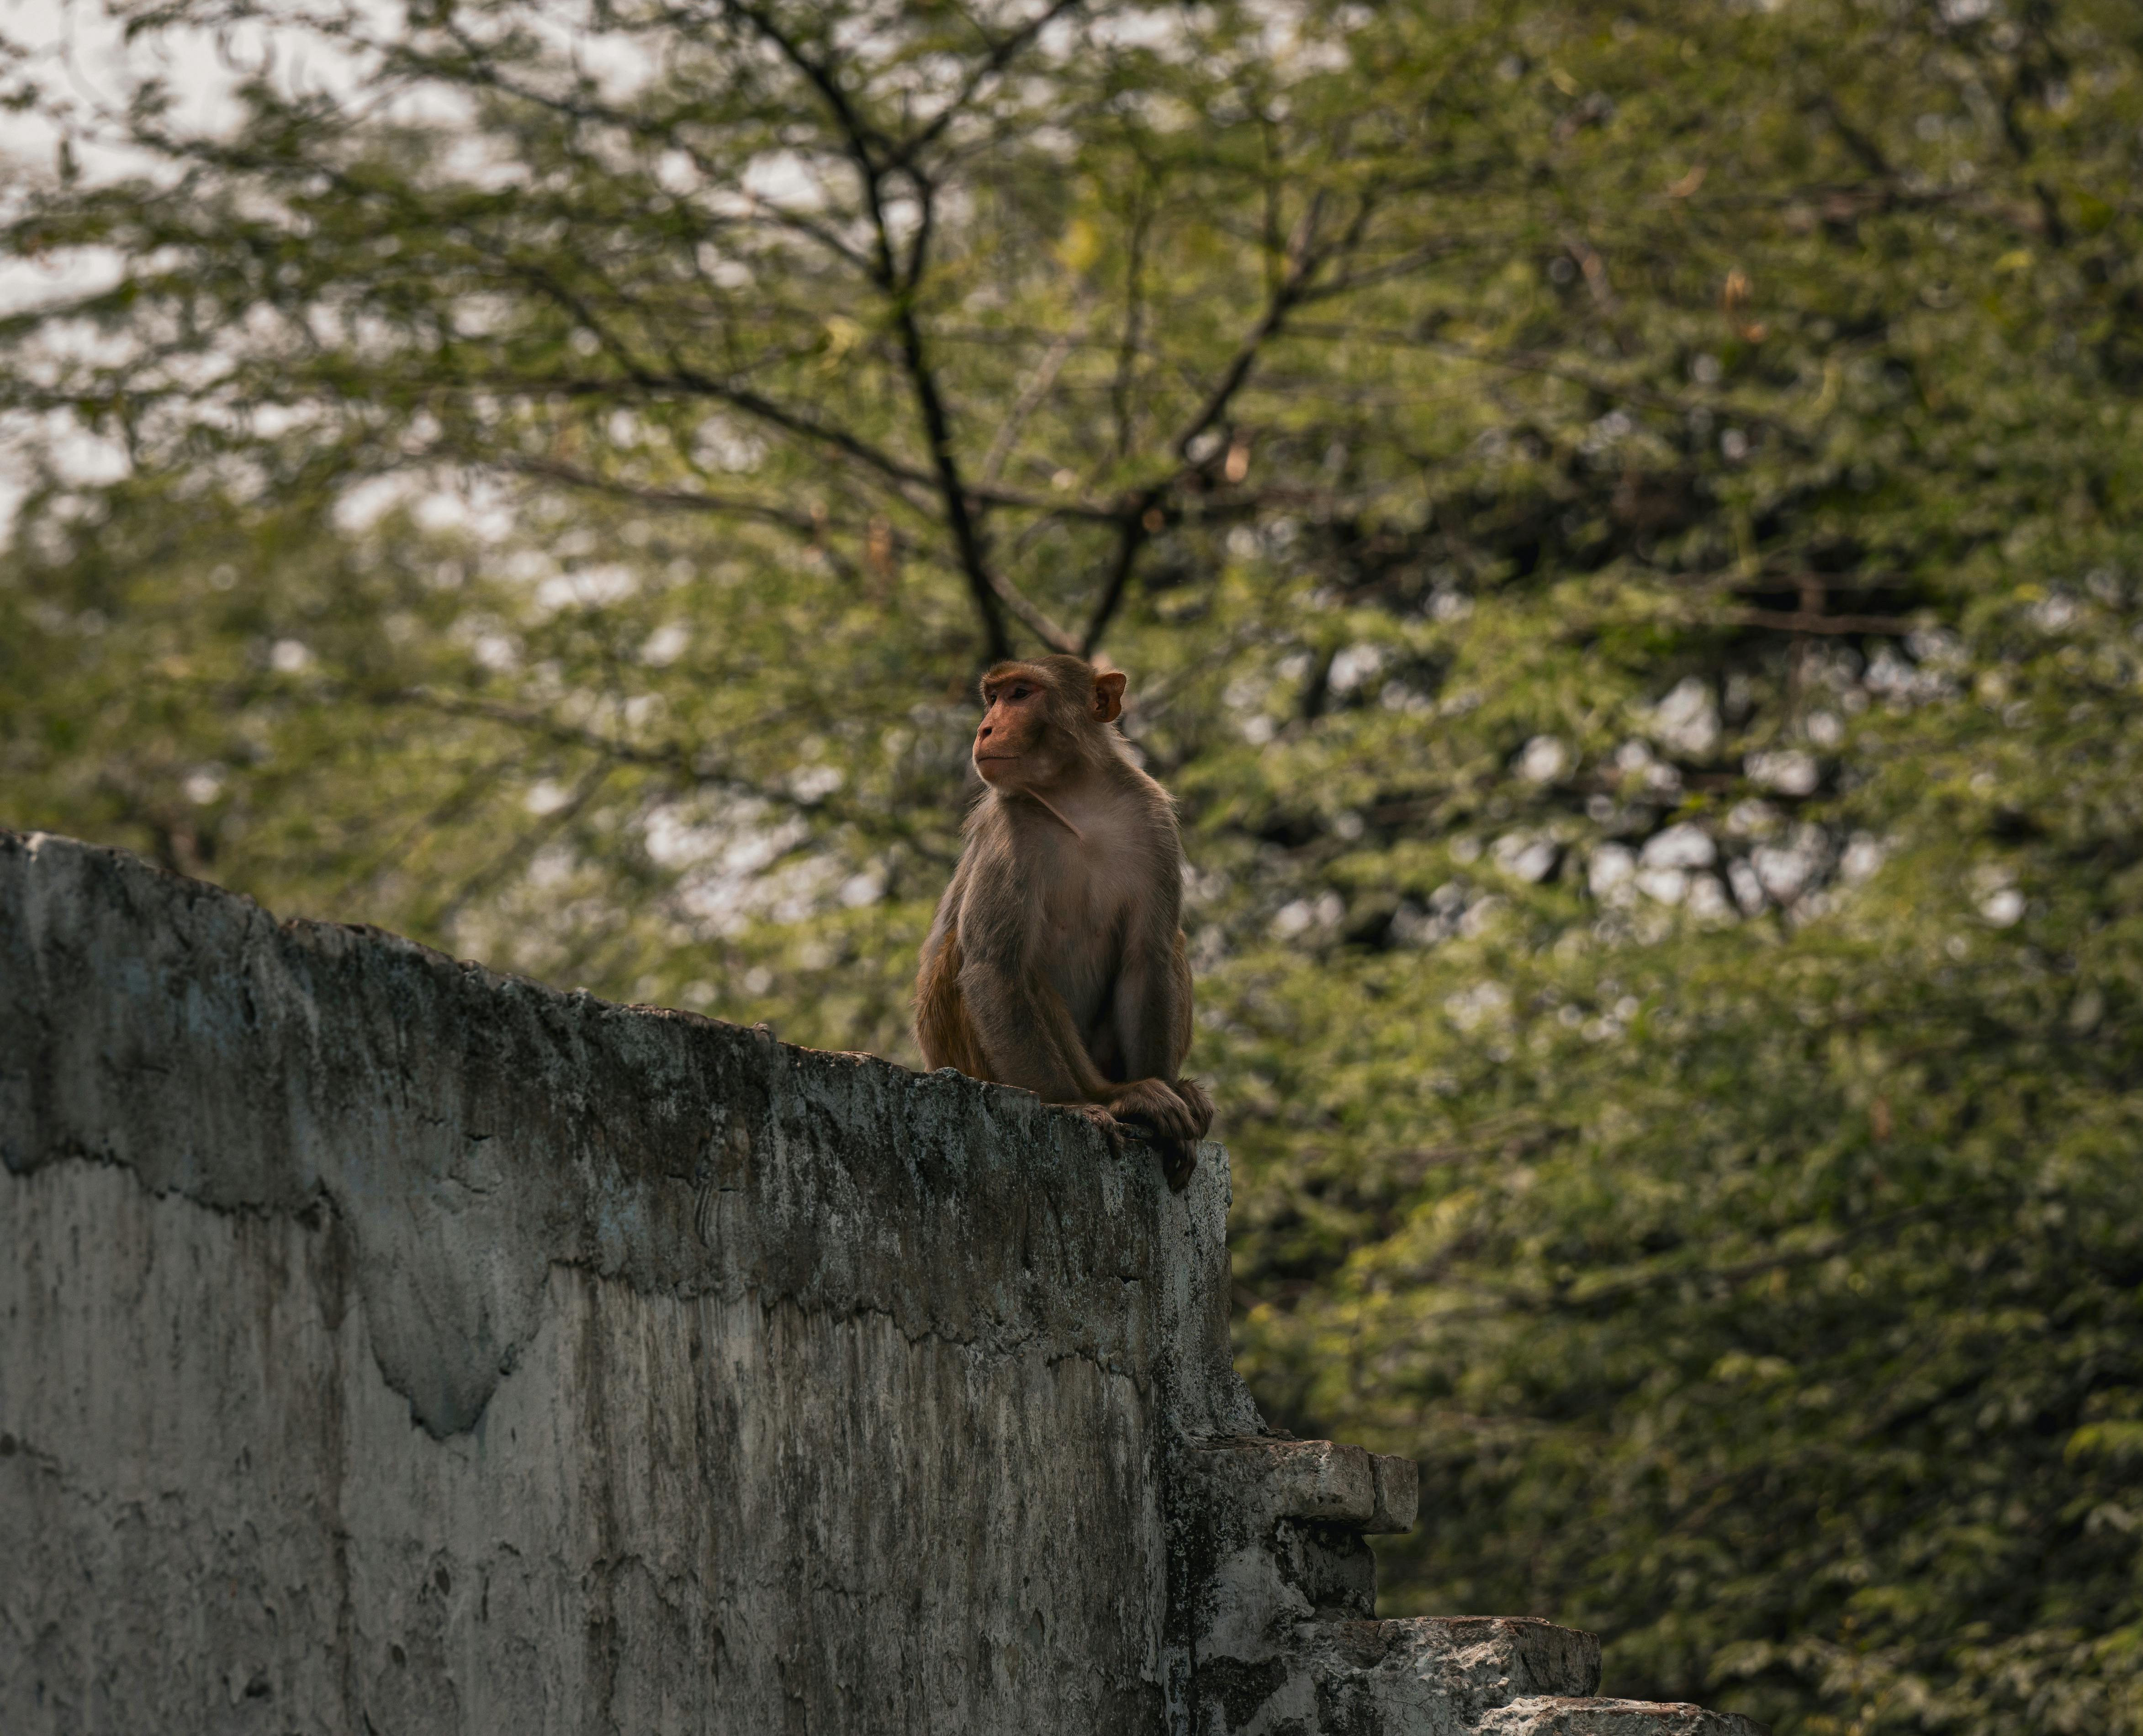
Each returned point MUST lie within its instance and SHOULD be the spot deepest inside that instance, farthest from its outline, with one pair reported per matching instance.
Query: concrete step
(1326, 1482)
(1558, 1716)
(1279, 1624)
(1491, 1658)
(1429, 1675)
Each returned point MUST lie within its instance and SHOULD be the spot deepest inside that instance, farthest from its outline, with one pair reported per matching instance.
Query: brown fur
(1057, 961)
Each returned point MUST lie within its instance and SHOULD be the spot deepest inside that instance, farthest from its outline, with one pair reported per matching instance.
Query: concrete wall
(387, 1345)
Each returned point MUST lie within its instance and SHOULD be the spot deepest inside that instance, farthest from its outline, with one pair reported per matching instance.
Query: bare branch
(898, 283)
(1302, 261)
(795, 422)
(685, 768)
(1130, 537)
(1040, 625)
(471, 789)
(1524, 362)
(865, 140)
(1144, 514)
(684, 500)
(1802, 621)
(1001, 55)
(1030, 394)
(967, 530)
(524, 847)
(672, 757)
(1127, 349)
(808, 527)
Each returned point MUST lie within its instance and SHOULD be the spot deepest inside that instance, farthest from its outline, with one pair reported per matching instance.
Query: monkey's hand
(1101, 1119)
(1155, 1103)
(1200, 1105)
(1152, 1109)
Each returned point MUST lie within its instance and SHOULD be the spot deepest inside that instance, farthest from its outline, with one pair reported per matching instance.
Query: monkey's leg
(1026, 1033)
(1179, 1158)
(1155, 1103)
(1195, 1100)
(1192, 1093)
(1151, 1010)
(942, 1029)
(1027, 1037)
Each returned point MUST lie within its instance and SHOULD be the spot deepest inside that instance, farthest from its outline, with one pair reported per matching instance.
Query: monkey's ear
(1108, 696)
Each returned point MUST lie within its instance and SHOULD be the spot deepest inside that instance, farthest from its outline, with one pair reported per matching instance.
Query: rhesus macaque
(1057, 961)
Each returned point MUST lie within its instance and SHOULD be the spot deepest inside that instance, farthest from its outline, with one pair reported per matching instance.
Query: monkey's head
(1043, 720)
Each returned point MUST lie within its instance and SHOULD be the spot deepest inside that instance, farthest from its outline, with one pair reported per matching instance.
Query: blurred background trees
(1625, 524)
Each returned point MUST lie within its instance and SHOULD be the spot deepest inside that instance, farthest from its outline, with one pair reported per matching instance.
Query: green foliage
(1626, 525)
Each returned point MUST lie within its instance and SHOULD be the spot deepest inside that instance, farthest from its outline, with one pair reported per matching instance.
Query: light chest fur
(1087, 888)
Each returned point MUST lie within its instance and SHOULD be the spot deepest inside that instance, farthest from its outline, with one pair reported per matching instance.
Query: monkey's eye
(1019, 693)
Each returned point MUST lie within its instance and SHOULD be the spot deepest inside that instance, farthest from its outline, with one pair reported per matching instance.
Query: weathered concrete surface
(1553, 1717)
(1281, 1595)
(388, 1346)
(391, 1344)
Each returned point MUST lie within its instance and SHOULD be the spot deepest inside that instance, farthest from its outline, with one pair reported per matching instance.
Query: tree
(1624, 528)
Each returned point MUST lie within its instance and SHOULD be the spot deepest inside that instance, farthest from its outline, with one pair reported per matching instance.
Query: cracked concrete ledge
(394, 1346)
(469, 1130)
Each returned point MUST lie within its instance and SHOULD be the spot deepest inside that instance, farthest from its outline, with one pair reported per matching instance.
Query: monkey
(1057, 960)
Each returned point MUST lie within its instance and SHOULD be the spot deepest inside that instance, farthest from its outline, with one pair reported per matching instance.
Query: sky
(76, 54)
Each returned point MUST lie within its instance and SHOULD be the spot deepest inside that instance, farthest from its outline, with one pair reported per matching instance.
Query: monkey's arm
(1152, 1015)
(983, 1001)
(942, 1029)
(983, 1005)
(1025, 1032)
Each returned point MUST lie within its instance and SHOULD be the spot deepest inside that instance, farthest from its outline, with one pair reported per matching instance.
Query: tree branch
(808, 527)
(683, 500)
(898, 283)
(819, 75)
(1802, 621)
(1516, 362)
(1030, 394)
(682, 765)
(1040, 625)
(1001, 55)
(1144, 514)
(1130, 537)
(522, 847)
(1302, 263)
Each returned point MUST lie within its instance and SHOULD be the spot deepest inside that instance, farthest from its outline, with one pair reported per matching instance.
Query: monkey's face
(1021, 743)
